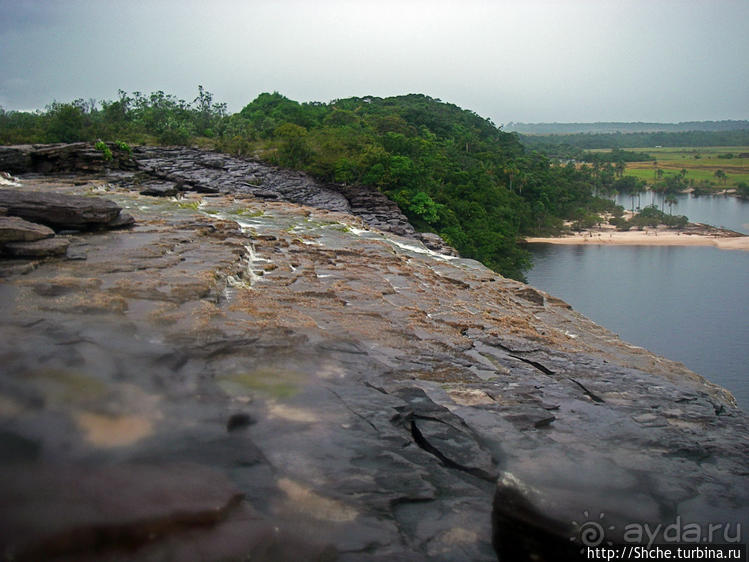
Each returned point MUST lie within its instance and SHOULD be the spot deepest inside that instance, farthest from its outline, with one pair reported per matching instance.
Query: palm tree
(721, 175)
(671, 200)
(511, 171)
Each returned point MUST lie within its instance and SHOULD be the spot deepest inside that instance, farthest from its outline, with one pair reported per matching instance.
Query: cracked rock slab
(364, 398)
(16, 229)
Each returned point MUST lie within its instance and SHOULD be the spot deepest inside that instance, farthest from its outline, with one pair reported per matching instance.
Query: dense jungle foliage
(450, 171)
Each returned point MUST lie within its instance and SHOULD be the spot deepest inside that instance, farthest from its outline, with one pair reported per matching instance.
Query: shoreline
(651, 237)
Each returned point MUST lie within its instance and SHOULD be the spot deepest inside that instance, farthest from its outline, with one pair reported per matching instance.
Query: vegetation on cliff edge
(450, 170)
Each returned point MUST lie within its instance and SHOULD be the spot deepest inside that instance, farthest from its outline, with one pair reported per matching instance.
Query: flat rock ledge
(15, 229)
(237, 377)
(28, 218)
(173, 171)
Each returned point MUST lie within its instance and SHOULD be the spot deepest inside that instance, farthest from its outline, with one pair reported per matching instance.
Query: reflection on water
(689, 304)
(725, 211)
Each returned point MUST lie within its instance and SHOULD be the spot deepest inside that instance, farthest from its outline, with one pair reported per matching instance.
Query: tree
(294, 151)
(511, 171)
(207, 114)
(671, 200)
(66, 122)
(721, 175)
(620, 166)
(418, 204)
(453, 172)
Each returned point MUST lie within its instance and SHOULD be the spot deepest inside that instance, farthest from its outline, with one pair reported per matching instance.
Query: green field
(700, 164)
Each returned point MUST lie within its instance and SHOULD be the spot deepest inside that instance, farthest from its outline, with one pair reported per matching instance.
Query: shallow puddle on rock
(470, 397)
(271, 383)
(62, 387)
(331, 370)
(113, 431)
(317, 506)
(458, 535)
(292, 413)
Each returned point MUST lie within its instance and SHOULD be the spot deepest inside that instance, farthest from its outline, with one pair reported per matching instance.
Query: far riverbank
(648, 239)
(693, 235)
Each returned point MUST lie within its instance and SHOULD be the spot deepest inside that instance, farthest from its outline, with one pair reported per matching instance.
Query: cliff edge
(240, 375)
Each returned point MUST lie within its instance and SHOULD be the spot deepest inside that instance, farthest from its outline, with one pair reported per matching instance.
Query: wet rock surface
(164, 171)
(79, 157)
(27, 216)
(236, 377)
(38, 248)
(60, 211)
(15, 229)
(170, 171)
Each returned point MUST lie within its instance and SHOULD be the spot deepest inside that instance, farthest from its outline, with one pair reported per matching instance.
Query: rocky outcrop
(15, 229)
(710, 230)
(27, 216)
(78, 157)
(63, 212)
(165, 171)
(236, 377)
(169, 171)
(57, 246)
(435, 243)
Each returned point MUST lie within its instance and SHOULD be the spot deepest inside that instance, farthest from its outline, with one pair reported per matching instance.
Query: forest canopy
(451, 171)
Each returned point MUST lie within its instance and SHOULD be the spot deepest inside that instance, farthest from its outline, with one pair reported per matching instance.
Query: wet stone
(37, 249)
(239, 421)
(364, 399)
(160, 189)
(59, 210)
(15, 229)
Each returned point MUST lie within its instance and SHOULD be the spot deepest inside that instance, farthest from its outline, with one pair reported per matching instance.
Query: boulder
(265, 194)
(15, 229)
(17, 159)
(123, 220)
(436, 243)
(160, 189)
(205, 187)
(60, 211)
(43, 248)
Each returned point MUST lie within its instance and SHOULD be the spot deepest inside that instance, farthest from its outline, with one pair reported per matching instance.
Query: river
(724, 211)
(690, 304)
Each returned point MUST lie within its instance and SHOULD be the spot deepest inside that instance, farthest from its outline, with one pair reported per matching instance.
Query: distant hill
(450, 171)
(616, 127)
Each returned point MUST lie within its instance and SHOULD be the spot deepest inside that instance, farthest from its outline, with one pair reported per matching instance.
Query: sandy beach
(649, 238)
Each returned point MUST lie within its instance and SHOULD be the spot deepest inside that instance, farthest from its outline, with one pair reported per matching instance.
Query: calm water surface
(690, 304)
(725, 211)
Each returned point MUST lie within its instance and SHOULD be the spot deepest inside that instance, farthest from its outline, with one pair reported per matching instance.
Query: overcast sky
(529, 60)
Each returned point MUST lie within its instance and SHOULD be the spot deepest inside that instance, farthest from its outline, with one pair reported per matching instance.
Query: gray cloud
(511, 61)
